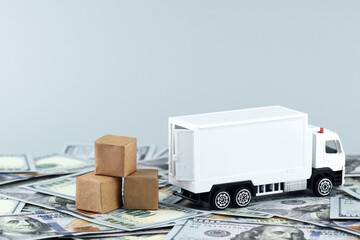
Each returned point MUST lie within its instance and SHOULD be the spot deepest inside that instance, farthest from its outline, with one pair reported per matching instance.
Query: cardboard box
(98, 193)
(141, 190)
(115, 155)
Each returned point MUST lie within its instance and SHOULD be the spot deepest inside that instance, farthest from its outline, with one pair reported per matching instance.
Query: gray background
(72, 71)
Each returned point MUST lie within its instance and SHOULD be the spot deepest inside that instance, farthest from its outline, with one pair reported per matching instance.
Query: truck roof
(236, 117)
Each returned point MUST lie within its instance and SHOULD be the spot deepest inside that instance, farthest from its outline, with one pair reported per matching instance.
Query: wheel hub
(222, 199)
(243, 197)
(325, 187)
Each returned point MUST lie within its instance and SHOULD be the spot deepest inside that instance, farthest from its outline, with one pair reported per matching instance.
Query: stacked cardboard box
(115, 160)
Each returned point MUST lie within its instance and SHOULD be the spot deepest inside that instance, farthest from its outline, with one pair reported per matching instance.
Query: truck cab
(328, 150)
(328, 161)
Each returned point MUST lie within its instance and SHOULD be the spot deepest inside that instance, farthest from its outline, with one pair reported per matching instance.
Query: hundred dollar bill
(351, 182)
(64, 186)
(272, 220)
(82, 150)
(344, 208)
(87, 151)
(125, 236)
(351, 226)
(10, 163)
(347, 226)
(9, 206)
(45, 224)
(314, 210)
(202, 228)
(32, 208)
(352, 166)
(6, 178)
(34, 179)
(61, 164)
(352, 191)
(240, 212)
(150, 234)
(129, 220)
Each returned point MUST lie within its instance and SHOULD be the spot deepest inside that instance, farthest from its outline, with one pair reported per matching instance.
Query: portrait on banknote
(21, 225)
(315, 211)
(271, 233)
(310, 210)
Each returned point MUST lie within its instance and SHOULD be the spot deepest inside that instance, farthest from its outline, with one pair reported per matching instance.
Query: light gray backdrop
(74, 70)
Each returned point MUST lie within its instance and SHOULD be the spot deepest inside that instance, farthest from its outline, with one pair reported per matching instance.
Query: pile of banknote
(37, 201)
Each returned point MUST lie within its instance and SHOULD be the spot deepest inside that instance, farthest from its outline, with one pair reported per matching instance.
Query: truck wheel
(242, 197)
(220, 199)
(323, 186)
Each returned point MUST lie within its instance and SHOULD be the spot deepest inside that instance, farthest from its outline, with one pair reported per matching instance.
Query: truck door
(184, 154)
(334, 154)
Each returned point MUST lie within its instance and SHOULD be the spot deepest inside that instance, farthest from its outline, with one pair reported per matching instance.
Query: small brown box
(141, 190)
(98, 193)
(115, 155)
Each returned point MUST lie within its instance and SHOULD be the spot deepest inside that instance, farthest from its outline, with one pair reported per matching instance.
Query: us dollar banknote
(272, 220)
(352, 191)
(352, 166)
(6, 178)
(344, 208)
(61, 164)
(346, 226)
(64, 187)
(151, 234)
(351, 226)
(240, 212)
(144, 152)
(202, 228)
(125, 236)
(16, 163)
(10, 206)
(351, 182)
(85, 151)
(167, 214)
(45, 224)
(314, 210)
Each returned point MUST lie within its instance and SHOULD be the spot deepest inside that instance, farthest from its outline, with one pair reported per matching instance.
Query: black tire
(242, 197)
(220, 199)
(323, 186)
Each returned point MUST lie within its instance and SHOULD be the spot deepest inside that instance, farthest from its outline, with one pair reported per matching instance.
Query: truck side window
(330, 147)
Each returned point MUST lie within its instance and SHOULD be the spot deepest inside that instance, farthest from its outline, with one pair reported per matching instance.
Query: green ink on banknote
(110, 220)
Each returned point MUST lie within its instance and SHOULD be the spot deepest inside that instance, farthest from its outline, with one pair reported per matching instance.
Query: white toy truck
(229, 157)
